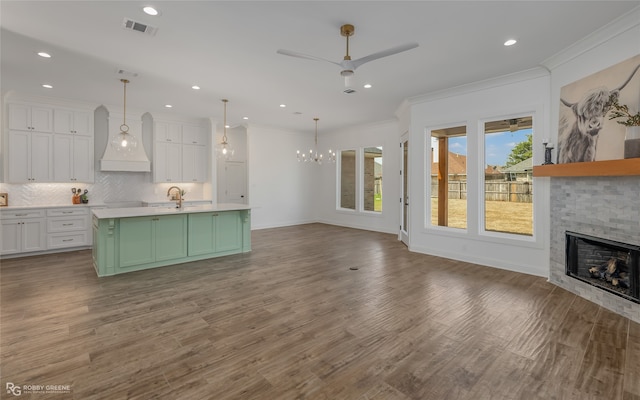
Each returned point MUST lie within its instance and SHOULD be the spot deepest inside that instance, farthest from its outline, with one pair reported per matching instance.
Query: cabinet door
(82, 122)
(167, 160)
(195, 163)
(11, 236)
(19, 117)
(82, 158)
(228, 230)
(41, 157)
(63, 158)
(202, 233)
(42, 119)
(19, 156)
(171, 237)
(63, 121)
(194, 134)
(33, 235)
(136, 241)
(168, 132)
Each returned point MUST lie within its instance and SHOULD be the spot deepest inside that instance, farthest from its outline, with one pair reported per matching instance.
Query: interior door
(404, 195)
(236, 182)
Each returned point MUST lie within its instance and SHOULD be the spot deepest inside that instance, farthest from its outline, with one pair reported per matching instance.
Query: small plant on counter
(622, 111)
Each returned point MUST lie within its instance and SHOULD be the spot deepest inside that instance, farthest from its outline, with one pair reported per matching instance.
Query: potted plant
(631, 121)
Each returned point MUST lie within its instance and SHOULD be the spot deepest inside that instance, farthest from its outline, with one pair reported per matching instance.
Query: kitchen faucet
(179, 199)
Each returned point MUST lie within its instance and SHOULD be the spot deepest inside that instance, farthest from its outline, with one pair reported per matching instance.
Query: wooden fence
(520, 192)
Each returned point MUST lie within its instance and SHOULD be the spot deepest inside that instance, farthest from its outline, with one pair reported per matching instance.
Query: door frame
(405, 210)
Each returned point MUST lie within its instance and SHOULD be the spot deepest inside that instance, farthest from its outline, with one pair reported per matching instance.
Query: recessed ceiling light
(150, 10)
(195, 87)
(44, 55)
(227, 126)
(168, 105)
(283, 105)
(245, 118)
(510, 42)
(367, 85)
(47, 86)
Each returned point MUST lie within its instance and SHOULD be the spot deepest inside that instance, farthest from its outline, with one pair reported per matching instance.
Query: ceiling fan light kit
(348, 65)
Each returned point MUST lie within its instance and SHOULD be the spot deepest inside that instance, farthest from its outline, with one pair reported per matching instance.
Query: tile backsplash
(109, 187)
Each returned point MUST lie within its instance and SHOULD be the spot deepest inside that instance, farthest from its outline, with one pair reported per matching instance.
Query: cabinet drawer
(75, 239)
(63, 212)
(65, 224)
(22, 214)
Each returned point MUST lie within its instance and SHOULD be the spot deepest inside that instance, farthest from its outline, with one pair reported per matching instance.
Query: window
(348, 179)
(508, 183)
(449, 177)
(372, 179)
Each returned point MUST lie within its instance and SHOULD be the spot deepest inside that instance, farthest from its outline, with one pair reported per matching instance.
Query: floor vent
(130, 24)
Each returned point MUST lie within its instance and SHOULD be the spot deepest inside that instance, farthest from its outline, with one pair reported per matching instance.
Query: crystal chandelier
(314, 156)
(124, 142)
(223, 148)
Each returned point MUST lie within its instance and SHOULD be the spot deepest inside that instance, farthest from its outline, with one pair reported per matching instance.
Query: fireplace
(605, 264)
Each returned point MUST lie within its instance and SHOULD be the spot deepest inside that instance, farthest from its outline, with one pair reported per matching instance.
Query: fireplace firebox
(606, 264)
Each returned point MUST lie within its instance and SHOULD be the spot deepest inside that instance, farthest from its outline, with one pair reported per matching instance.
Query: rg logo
(13, 389)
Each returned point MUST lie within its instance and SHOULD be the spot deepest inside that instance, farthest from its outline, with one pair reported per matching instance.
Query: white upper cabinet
(168, 132)
(26, 117)
(194, 134)
(49, 142)
(75, 122)
(30, 157)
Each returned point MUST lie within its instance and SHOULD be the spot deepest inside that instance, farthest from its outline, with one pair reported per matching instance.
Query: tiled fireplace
(604, 209)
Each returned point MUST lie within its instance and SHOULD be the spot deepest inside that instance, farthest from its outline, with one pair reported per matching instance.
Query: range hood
(134, 161)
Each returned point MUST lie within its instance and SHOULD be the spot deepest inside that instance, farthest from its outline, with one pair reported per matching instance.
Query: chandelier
(124, 142)
(223, 148)
(314, 156)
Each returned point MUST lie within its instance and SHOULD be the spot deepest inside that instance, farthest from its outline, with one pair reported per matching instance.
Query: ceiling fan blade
(305, 56)
(383, 53)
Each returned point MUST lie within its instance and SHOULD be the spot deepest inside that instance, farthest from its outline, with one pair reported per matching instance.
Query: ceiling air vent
(130, 24)
(349, 91)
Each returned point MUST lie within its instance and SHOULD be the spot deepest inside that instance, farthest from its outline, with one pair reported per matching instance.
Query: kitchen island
(136, 238)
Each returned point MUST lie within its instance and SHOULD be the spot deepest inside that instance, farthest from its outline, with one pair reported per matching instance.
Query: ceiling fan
(347, 64)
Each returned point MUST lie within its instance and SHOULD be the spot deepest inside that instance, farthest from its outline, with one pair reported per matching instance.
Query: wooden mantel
(622, 167)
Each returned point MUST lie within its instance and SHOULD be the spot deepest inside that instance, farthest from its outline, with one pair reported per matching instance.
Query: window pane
(373, 179)
(348, 179)
(508, 183)
(449, 177)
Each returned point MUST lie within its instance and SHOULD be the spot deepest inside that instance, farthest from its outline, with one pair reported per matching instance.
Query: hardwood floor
(291, 320)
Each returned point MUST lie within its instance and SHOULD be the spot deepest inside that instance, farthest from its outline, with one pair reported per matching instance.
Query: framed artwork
(585, 132)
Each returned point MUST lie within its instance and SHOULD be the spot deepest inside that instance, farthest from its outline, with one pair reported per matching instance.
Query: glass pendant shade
(223, 149)
(124, 143)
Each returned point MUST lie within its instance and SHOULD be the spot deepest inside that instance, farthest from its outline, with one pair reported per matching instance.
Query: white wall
(282, 191)
(383, 134)
(526, 92)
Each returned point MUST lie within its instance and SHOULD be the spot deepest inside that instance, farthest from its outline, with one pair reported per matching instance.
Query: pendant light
(124, 142)
(314, 156)
(223, 149)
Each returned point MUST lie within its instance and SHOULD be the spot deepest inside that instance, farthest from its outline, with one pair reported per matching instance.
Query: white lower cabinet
(38, 230)
(67, 227)
(23, 231)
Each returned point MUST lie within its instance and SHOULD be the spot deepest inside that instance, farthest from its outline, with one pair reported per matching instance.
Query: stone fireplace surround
(607, 207)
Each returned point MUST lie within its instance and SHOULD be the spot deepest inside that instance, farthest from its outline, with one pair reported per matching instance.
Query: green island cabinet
(141, 242)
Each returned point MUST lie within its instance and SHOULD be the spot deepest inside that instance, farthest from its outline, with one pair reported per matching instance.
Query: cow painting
(578, 136)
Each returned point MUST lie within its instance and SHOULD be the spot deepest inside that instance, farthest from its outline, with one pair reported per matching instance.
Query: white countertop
(106, 213)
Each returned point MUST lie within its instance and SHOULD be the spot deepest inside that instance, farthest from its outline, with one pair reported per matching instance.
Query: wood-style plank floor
(291, 320)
